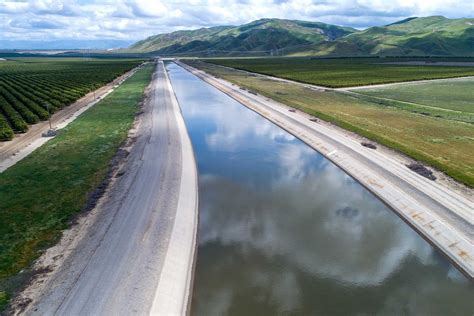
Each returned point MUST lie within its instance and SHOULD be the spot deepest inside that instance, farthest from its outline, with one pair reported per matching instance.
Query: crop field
(445, 144)
(29, 87)
(41, 193)
(337, 73)
(456, 95)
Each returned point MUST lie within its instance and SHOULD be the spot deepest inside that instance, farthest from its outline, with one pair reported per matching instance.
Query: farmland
(30, 87)
(446, 144)
(454, 95)
(336, 73)
(41, 193)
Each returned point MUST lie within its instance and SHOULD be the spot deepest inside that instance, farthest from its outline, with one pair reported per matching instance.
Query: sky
(124, 21)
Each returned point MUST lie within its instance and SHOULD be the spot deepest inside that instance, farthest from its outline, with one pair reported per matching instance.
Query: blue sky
(49, 20)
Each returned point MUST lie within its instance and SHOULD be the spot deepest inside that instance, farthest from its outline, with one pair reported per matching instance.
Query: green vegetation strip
(455, 95)
(445, 144)
(42, 193)
(422, 109)
(336, 73)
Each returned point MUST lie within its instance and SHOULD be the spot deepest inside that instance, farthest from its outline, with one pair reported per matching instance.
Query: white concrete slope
(440, 215)
(138, 255)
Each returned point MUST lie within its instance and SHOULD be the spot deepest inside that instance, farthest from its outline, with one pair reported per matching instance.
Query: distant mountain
(434, 36)
(261, 37)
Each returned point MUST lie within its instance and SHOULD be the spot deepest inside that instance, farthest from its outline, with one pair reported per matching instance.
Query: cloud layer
(47, 20)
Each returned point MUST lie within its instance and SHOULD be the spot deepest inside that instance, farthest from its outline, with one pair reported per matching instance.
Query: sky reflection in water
(284, 231)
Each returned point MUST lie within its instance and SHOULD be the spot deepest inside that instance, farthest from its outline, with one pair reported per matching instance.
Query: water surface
(284, 231)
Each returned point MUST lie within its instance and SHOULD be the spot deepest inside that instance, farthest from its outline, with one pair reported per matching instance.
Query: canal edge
(174, 291)
(441, 236)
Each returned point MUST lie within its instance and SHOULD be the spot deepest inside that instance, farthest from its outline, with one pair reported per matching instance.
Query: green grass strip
(447, 114)
(42, 193)
(413, 153)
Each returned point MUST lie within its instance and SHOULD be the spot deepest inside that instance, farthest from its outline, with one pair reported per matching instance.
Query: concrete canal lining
(174, 291)
(441, 216)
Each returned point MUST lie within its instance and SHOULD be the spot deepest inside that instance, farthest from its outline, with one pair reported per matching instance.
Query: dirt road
(442, 216)
(143, 238)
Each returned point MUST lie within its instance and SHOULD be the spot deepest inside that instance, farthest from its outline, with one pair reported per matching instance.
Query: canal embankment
(134, 252)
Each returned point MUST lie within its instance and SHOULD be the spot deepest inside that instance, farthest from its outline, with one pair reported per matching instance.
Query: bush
(25, 98)
(27, 115)
(15, 119)
(6, 132)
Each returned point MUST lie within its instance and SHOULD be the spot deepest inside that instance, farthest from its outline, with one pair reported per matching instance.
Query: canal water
(284, 231)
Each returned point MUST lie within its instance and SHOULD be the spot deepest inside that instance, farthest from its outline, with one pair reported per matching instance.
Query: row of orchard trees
(28, 90)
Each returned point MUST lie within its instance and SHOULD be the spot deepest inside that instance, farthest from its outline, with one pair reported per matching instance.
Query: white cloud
(134, 20)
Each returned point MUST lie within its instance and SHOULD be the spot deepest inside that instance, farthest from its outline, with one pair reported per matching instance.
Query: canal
(284, 231)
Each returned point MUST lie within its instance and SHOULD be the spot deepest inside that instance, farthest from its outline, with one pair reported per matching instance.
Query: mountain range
(415, 36)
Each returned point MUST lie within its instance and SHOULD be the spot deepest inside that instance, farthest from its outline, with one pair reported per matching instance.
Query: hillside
(434, 36)
(261, 37)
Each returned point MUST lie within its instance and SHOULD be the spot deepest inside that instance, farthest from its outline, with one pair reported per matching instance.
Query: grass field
(30, 87)
(41, 193)
(445, 144)
(455, 95)
(337, 73)
(409, 106)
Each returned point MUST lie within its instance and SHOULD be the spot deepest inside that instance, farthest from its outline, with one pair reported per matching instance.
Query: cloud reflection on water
(302, 220)
(279, 224)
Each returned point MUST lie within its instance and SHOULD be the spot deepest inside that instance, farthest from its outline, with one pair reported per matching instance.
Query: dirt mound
(421, 170)
(369, 145)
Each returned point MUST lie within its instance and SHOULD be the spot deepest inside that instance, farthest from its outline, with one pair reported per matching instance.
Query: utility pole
(49, 116)
(50, 132)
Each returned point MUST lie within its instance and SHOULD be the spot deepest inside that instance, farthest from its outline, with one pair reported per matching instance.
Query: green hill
(433, 36)
(261, 37)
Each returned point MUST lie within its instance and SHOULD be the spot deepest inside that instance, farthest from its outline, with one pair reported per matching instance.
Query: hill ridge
(432, 35)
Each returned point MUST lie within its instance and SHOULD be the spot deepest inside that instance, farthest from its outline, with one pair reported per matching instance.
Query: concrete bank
(136, 253)
(443, 217)
(24, 144)
(173, 295)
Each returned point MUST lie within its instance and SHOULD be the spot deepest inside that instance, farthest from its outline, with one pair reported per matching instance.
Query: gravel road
(117, 267)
